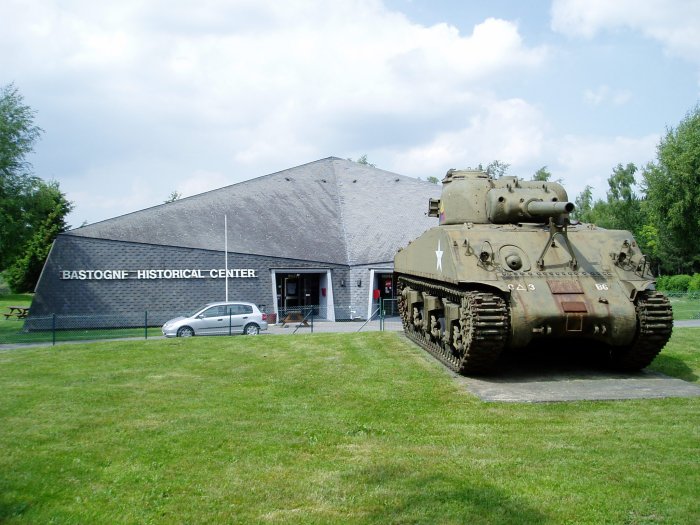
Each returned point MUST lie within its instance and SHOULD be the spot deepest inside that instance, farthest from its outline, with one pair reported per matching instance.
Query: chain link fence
(58, 328)
(54, 329)
(384, 316)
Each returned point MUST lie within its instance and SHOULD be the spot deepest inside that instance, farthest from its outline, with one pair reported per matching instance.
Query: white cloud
(673, 23)
(247, 87)
(588, 161)
(202, 181)
(511, 131)
(604, 95)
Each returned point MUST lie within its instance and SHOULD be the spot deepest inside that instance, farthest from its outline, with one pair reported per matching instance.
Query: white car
(218, 319)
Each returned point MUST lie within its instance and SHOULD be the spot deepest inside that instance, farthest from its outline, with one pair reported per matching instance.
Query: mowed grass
(10, 327)
(325, 428)
(685, 306)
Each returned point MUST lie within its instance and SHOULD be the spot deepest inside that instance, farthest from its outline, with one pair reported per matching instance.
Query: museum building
(322, 235)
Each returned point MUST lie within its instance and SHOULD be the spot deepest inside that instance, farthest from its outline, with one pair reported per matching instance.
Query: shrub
(662, 282)
(678, 283)
(694, 284)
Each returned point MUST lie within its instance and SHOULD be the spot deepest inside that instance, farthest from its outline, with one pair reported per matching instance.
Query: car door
(213, 320)
(240, 314)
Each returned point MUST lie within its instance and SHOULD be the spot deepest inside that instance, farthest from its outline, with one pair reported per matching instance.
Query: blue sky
(139, 98)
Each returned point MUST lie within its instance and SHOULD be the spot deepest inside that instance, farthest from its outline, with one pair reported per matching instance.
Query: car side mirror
(200, 316)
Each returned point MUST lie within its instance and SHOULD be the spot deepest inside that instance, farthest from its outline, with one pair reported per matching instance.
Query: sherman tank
(507, 268)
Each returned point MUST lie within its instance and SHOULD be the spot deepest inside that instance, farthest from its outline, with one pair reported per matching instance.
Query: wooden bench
(20, 312)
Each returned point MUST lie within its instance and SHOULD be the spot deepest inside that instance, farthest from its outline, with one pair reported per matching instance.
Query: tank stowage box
(505, 267)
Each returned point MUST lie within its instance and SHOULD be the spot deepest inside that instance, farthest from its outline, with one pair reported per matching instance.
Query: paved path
(552, 375)
(695, 323)
(583, 385)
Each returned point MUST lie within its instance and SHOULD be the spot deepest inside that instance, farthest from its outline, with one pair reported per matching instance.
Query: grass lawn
(685, 306)
(19, 299)
(11, 330)
(326, 428)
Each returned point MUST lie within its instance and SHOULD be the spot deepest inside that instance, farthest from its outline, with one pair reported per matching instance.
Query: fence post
(381, 314)
(53, 329)
(145, 325)
(312, 319)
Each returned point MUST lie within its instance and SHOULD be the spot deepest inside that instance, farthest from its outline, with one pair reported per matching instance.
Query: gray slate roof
(332, 210)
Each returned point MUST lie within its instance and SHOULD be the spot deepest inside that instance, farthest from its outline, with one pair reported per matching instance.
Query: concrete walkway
(570, 374)
(584, 385)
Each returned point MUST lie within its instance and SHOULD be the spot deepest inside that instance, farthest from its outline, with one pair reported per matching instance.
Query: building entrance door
(297, 292)
(387, 286)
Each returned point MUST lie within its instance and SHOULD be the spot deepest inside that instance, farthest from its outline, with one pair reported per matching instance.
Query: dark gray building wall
(162, 298)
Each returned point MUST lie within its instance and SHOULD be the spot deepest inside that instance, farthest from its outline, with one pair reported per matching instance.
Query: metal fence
(54, 329)
(384, 316)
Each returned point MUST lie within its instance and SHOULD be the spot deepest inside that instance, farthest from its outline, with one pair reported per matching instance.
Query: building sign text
(112, 275)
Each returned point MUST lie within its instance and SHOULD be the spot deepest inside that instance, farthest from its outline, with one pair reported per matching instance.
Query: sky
(140, 98)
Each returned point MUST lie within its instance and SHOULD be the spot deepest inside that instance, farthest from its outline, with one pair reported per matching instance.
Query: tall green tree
(48, 209)
(672, 186)
(624, 210)
(32, 212)
(18, 134)
(584, 206)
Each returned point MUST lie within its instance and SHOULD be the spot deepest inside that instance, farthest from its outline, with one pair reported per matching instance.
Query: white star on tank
(438, 254)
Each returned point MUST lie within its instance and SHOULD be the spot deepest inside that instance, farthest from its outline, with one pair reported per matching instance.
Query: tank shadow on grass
(556, 361)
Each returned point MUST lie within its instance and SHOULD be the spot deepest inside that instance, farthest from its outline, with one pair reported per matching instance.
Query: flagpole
(226, 253)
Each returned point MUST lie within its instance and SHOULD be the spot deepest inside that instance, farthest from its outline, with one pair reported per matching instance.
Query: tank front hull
(548, 287)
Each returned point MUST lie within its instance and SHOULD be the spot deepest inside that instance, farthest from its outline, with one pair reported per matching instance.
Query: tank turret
(505, 268)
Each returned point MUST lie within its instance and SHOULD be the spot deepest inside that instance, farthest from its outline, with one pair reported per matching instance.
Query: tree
(32, 212)
(174, 195)
(584, 206)
(621, 210)
(542, 174)
(497, 169)
(363, 160)
(433, 179)
(17, 137)
(672, 186)
(624, 210)
(50, 208)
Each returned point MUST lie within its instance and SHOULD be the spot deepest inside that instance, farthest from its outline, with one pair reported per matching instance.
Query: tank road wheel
(484, 326)
(435, 329)
(403, 309)
(479, 332)
(417, 318)
(654, 326)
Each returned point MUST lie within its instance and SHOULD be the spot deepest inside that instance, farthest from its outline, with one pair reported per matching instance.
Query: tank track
(483, 333)
(654, 327)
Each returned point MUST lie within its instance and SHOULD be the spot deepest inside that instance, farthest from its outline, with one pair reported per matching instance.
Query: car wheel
(251, 329)
(185, 331)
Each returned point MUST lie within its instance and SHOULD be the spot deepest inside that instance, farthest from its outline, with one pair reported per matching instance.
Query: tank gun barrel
(549, 209)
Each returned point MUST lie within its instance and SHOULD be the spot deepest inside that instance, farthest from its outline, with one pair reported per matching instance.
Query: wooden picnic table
(20, 312)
